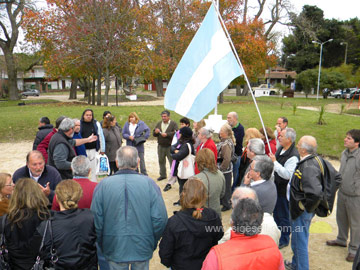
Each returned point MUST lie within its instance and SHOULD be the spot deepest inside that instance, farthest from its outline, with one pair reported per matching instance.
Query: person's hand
(46, 189)
(157, 131)
(102, 153)
(176, 151)
(131, 138)
(247, 179)
(272, 156)
(278, 129)
(186, 163)
(163, 134)
(92, 138)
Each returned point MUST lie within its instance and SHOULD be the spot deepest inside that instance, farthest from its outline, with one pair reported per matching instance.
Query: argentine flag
(206, 68)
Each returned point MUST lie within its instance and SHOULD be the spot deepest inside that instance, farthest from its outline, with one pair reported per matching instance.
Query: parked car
(336, 93)
(30, 92)
(355, 95)
(346, 93)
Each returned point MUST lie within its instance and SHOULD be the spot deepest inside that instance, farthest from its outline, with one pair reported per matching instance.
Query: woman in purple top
(135, 128)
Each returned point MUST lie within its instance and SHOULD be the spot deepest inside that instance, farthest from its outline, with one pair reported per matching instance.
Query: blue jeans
(299, 240)
(236, 166)
(282, 219)
(101, 259)
(125, 266)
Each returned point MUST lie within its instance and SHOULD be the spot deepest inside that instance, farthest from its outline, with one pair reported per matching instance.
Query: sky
(337, 9)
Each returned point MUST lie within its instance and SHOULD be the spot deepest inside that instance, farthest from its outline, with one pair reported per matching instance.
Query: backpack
(331, 180)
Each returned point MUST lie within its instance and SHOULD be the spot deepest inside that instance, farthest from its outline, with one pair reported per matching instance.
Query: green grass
(353, 111)
(20, 122)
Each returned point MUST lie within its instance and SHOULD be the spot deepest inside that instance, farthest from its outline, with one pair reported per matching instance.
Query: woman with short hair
(212, 178)
(134, 128)
(113, 140)
(6, 189)
(272, 142)
(73, 231)
(187, 240)
(28, 207)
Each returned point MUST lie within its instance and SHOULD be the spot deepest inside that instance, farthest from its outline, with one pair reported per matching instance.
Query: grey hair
(234, 114)
(127, 157)
(264, 165)
(310, 149)
(290, 133)
(206, 132)
(257, 146)
(80, 166)
(242, 193)
(76, 120)
(66, 124)
(247, 217)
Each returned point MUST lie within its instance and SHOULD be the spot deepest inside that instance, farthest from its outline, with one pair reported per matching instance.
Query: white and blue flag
(206, 68)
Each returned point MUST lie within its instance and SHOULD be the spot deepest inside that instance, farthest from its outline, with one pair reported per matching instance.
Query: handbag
(39, 263)
(139, 140)
(4, 255)
(184, 172)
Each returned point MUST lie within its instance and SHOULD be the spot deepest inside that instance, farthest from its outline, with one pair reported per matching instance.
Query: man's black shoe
(176, 203)
(161, 178)
(283, 245)
(223, 209)
(167, 187)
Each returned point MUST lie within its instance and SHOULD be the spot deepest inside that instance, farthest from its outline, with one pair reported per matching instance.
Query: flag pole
(246, 78)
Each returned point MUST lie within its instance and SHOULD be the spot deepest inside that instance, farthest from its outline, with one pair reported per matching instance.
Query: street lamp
(346, 49)
(321, 47)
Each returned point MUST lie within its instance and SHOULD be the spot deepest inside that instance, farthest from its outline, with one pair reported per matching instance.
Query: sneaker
(161, 178)
(288, 265)
(167, 187)
(223, 209)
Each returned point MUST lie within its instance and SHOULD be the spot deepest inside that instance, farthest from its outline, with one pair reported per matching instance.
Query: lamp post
(321, 47)
(346, 50)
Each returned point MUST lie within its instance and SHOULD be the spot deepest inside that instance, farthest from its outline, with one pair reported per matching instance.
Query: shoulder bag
(39, 263)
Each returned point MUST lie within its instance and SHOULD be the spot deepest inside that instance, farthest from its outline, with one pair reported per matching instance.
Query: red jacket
(272, 146)
(208, 144)
(242, 252)
(43, 146)
(88, 190)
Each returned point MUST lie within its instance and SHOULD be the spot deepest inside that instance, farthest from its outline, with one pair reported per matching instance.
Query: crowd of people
(57, 213)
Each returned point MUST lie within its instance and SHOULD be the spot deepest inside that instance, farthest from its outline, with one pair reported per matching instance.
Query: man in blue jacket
(130, 214)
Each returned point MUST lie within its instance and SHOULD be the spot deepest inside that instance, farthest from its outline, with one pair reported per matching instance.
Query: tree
(307, 80)
(11, 13)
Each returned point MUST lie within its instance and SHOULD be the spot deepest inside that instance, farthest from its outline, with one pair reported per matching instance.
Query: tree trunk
(98, 98)
(245, 91)
(221, 98)
(238, 90)
(73, 88)
(159, 87)
(116, 91)
(12, 74)
(107, 86)
(93, 92)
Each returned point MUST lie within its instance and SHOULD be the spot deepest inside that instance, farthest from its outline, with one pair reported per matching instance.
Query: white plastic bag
(102, 165)
(186, 166)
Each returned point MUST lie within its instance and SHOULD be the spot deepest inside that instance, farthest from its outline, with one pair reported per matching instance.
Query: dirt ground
(12, 156)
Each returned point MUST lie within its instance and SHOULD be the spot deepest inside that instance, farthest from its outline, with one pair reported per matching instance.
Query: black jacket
(183, 152)
(186, 240)
(306, 188)
(74, 240)
(22, 244)
(41, 134)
